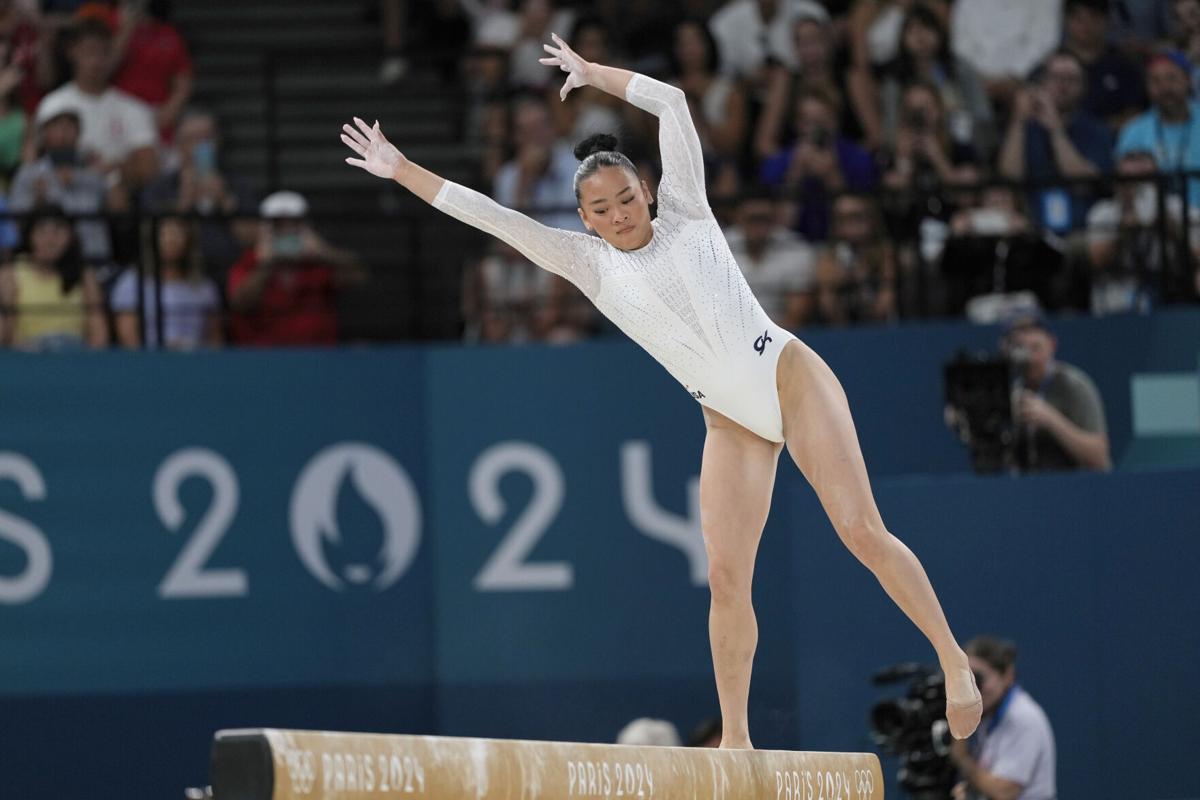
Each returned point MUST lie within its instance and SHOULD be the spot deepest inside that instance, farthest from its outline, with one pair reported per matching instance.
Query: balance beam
(270, 764)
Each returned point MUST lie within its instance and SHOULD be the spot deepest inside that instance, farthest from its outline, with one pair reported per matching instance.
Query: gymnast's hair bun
(596, 143)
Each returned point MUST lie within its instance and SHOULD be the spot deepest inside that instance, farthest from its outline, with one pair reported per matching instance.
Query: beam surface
(270, 764)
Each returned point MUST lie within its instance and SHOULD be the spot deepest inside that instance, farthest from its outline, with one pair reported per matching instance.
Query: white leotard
(682, 297)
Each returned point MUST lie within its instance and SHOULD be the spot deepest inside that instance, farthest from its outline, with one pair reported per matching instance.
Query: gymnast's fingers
(353, 145)
(364, 127)
(357, 162)
(354, 134)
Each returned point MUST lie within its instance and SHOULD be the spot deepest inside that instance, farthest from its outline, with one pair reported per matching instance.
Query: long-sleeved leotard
(682, 297)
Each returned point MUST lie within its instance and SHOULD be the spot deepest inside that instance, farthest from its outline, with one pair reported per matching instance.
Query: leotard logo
(760, 344)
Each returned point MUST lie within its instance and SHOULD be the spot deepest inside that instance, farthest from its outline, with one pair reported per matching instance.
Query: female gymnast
(672, 285)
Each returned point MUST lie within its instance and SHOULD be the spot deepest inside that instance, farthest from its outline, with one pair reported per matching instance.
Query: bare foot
(964, 705)
(736, 744)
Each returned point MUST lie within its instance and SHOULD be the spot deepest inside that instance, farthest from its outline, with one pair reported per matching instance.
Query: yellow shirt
(42, 310)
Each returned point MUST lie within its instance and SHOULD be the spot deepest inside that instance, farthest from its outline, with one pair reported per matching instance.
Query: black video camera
(914, 728)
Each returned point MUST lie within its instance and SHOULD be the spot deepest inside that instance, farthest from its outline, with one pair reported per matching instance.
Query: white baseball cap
(283, 205)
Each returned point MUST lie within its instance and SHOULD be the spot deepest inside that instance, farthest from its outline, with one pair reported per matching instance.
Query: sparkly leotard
(682, 297)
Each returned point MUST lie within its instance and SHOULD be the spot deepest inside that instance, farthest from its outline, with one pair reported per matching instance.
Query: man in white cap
(283, 291)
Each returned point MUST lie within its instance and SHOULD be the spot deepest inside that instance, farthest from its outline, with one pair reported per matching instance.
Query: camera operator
(1059, 412)
(1011, 756)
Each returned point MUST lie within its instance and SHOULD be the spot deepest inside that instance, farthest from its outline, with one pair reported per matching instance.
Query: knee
(865, 537)
(728, 581)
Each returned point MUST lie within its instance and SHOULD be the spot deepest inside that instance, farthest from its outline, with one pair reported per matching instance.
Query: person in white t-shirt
(1011, 756)
(779, 266)
(119, 134)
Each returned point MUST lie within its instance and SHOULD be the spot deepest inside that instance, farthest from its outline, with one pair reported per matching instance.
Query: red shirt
(298, 305)
(155, 56)
(21, 49)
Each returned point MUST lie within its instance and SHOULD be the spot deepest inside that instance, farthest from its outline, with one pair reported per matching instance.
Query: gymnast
(672, 285)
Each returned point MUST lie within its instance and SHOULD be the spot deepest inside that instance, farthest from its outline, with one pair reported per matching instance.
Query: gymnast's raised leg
(822, 441)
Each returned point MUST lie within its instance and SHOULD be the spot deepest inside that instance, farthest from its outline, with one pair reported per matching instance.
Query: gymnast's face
(992, 683)
(616, 205)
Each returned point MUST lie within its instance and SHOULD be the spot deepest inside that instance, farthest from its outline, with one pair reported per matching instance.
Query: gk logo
(760, 344)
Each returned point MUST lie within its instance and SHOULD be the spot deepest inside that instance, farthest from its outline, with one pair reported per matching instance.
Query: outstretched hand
(379, 156)
(569, 61)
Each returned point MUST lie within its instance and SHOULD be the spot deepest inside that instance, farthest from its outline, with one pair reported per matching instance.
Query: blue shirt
(812, 222)
(1175, 145)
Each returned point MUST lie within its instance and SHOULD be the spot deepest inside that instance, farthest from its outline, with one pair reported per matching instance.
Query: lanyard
(1002, 708)
(1184, 142)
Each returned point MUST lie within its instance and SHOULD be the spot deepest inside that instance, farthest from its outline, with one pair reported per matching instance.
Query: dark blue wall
(596, 451)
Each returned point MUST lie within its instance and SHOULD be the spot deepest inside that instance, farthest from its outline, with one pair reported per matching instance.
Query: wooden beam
(269, 764)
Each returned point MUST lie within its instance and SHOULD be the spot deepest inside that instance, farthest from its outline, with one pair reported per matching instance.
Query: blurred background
(282, 446)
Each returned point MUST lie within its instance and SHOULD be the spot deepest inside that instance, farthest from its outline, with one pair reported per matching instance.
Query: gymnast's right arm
(553, 249)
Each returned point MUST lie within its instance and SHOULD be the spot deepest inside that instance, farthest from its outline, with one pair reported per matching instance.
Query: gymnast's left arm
(678, 142)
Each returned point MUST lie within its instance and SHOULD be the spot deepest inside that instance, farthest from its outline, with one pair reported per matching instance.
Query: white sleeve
(566, 253)
(140, 126)
(1042, 35)
(681, 189)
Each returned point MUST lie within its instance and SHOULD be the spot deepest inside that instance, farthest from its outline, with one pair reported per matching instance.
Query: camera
(978, 396)
(913, 727)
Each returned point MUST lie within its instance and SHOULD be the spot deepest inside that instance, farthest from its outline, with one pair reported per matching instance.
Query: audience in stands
(49, 299)
(190, 301)
(60, 176)
(717, 102)
(1135, 268)
(752, 34)
(1005, 42)
(26, 54)
(1051, 137)
(283, 291)
(856, 271)
(587, 110)
(819, 164)
(1171, 128)
(538, 19)
(1115, 87)
(151, 61)
(541, 174)
(119, 135)
(195, 183)
(779, 266)
(1185, 35)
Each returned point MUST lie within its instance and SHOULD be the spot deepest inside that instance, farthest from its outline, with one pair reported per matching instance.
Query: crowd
(131, 233)
(871, 159)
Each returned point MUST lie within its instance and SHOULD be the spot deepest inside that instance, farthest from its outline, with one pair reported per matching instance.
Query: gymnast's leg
(822, 441)
(736, 479)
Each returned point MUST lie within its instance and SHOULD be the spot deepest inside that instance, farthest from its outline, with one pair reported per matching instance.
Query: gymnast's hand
(379, 156)
(569, 61)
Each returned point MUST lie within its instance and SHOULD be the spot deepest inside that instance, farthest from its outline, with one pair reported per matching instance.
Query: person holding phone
(283, 291)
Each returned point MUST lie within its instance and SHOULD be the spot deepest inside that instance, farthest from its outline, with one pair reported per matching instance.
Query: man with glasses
(1050, 137)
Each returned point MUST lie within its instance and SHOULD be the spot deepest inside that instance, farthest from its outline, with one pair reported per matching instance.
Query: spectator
(393, 14)
(754, 33)
(283, 291)
(1186, 37)
(541, 173)
(1004, 42)
(706, 734)
(778, 265)
(1050, 137)
(152, 61)
(26, 55)
(190, 301)
(717, 102)
(856, 272)
(925, 56)
(819, 164)
(12, 122)
(816, 69)
(924, 154)
(50, 300)
(196, 184)
(493, 23)
(647, 732)
(1059, 411)
(1012, 753)
(1116, 89)
(875, 36)
(1133, 266)
(1171, 128)
(587, 110)
(506, 298)
(539, 18)
(60, 177)
(119, 135)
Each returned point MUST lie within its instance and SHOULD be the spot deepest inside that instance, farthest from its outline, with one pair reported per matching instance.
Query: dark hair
(1062, 52)
(999, 654)
(596, 151)
(70, 263)
(1103, 7)
(714, 50)
(921, 14)
(88, 28)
